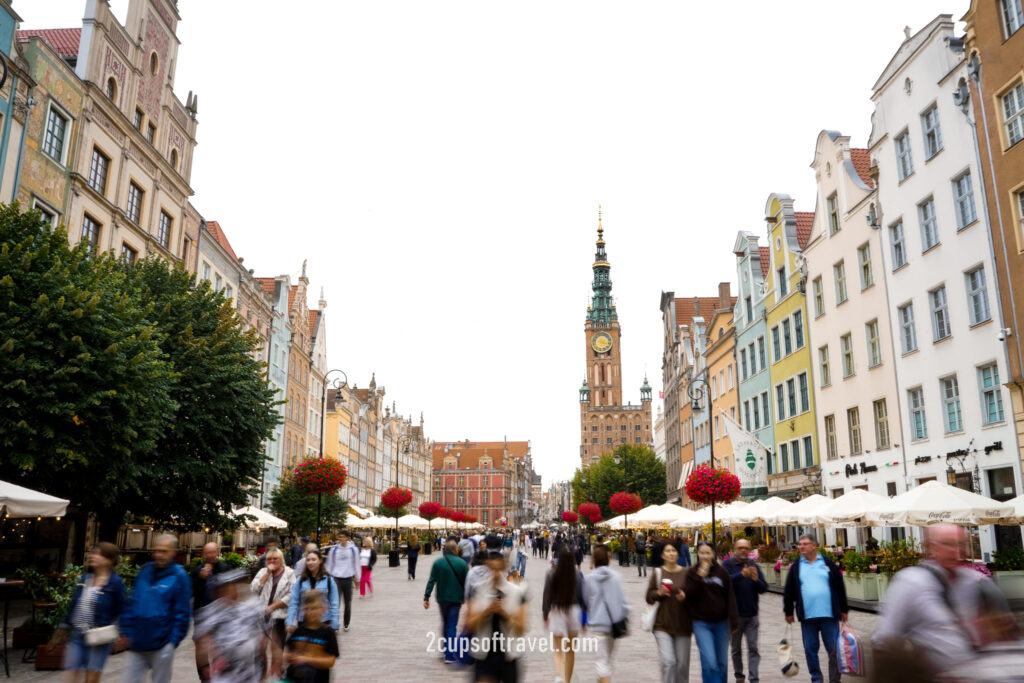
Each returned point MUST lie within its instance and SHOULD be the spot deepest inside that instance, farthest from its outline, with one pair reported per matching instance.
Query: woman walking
(272, 586)
(412, 555)
(562, 607)
(95, 608)
(606, 605)
(712, 605)
(367, 558)
(672, 627)
(314, 577)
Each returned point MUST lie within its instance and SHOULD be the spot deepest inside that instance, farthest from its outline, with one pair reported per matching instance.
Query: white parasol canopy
(658, 515)
(615, 522)
(264, 520)
(1018, 507)
(412, 522)
(18, 501)
(937, 503)
(849, 509)
(756, 512)
(795, 512)
(375, 522)
(702, 516)
(360, 512)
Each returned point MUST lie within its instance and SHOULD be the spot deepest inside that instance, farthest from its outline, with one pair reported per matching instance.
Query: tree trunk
(109, 523)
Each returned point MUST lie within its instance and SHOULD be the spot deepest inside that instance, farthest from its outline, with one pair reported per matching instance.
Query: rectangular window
(761, 360)
(805, 396)
(743, 363)
(757, 416)
(219, 281)
(783, 283)
(881, 413)
(929, 230)
(831, 444)
(823, 366)
(991, 394)
(730, 376)
(963, 200)
(808, 452)
(791, 394)
(1013, 114)
(846, 342)
(951, 404)
(787, 337)
(904, 164)
(776, 345)
(977, 296)
(56, 135)
(780, 402)
(206, 270)
(747, 424)
(90, 232)
(151, 133)
(135, 195)
(784, 452)
(128, 255)
(749, 309)
(899, 245)
(98, 168)
(137, 120)
(932, 133)
(163, 232)
(1013, 16)
(839, 270)
(908, 335)
(794, 451)
(853, 422)
(940, 314)
(798, 329)
(867, 278)
(833, 213)
(874, 344)
(753, 361)
(819, 297)
(764, 408)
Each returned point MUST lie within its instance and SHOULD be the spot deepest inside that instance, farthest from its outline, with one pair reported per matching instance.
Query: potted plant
(861, 583)
(33, 632)
(1009, 574)
(893, 556)
(767, 556)
(50, 655)
(783, 564)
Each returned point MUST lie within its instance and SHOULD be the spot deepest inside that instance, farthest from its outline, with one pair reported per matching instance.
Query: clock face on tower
(601, 342)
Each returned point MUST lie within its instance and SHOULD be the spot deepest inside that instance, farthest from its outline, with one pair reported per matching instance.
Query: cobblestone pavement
(391, 632)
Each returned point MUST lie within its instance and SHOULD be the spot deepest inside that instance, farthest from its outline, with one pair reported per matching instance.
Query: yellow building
(794, 466)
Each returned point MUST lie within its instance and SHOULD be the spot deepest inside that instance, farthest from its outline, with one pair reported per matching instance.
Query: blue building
(277, 374)
(14, 105)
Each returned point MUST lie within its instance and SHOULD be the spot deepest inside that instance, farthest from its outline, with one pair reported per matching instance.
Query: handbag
(650, 612)
(850, 651)
(620, 627)
(787, 663)
(101, 635)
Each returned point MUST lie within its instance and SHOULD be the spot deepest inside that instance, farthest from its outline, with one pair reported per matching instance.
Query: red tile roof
(862, 162)
(314, 316)
(471, 452)
(291, 297)
(804, 221)
(218, 234)
(690, 307)
(64, 41)
(766, 260)
(269, 284)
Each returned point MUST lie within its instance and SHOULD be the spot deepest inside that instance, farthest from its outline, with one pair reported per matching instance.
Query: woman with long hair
(562, 606)
(314, 577)
(367, 558)
(672, 628)
(712, 606)
(97, 603)
(273, 587)
(412, 555)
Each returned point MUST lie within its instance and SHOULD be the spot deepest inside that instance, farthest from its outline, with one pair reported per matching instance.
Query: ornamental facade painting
(114, 67)
(155, 48)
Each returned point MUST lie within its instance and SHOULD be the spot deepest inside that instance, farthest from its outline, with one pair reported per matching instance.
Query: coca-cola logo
(887, 515)
(937, 515)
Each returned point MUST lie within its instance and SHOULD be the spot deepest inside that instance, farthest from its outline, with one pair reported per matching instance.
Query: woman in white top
(273, 586)
(367, 558)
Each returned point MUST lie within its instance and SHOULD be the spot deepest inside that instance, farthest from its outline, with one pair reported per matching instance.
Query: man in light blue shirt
(815, 589)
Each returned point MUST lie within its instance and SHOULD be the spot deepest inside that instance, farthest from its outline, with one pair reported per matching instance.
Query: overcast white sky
(440, 165)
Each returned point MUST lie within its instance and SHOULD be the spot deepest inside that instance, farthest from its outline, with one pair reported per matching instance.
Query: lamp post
(697, 390)
(395, 554)
(624, 461)
(338, 383)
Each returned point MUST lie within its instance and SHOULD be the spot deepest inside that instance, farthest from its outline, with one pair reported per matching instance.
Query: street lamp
(625, 466)
(338, 383)
(698, 390)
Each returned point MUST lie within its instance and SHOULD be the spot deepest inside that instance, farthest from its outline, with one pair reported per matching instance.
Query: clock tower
(604, 422)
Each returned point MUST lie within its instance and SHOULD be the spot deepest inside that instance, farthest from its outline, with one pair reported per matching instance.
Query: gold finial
(600, 229)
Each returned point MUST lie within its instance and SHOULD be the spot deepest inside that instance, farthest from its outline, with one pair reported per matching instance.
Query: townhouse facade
(489, 480)
(277, 290)
(720, 358)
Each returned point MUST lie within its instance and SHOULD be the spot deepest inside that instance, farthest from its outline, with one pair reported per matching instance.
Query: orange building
(486, 479)
(720, 358)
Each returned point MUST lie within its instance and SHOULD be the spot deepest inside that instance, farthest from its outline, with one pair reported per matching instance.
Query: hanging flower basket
(625, 503)
(429, 510)
(590, 511)
(470, 519)
(320, 475)
(396, 498)
(445, 513)
(570, 517)
(458, 516)
(707, 485)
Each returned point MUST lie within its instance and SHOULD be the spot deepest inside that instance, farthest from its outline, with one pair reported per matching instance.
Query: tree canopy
(597, 483)
(298, 508)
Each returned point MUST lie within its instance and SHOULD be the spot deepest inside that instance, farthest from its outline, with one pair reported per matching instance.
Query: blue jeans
(829, 630)
(521, 564)
(449, 624)
(713, 644)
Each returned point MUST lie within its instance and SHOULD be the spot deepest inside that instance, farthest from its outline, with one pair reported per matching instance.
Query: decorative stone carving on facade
(118, 37)
(100, 117)
(112, 66)
(178, 112)
(175, 140)
(164, 14)
(141, 157)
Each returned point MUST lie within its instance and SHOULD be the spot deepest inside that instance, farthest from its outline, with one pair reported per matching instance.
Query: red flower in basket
(470, 519)
(445, 513)
(625, 503)
(707, 485)
(396, 498)
(590, 511)
(570, 517)
(429, 510)
(320, 475)
(458, 516)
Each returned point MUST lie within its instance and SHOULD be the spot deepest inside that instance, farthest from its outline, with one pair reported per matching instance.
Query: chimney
(724, 296)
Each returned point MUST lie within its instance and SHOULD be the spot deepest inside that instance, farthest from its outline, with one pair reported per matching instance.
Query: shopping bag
(850, 651)
(787, 662)
(650, 612)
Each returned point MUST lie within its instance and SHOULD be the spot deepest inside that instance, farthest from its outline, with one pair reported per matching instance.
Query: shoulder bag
(100, 635)
(650, 612)
(620, 627)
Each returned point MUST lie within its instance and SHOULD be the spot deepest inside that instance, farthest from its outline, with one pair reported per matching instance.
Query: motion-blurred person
(313, 646)
(606, 605)
(156, 615)
(747, 584)
(448, 573)
(497, 613)
(202, 589)
(273, 587)
(261, 561)
(673, 628)
(815, 589)
(313, 578)
(712, 606)
(411, 555)
(562, 607)
(640, 543)
(230, 635)
(97, 603)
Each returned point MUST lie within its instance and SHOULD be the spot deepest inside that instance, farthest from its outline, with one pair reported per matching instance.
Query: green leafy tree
(600, 481)
(85, 387)
(299, 509)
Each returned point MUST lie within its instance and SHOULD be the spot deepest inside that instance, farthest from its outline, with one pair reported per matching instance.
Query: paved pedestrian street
(391, 634)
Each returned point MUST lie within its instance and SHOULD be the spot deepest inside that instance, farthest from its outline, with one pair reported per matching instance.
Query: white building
(659, 435)
(860, 436)
(940, 277)
(317, 372)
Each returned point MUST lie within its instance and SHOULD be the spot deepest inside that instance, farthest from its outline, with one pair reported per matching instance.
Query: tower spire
(602, 308)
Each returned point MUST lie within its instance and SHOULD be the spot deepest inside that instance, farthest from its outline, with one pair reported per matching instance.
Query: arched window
(174, 159)
(154, 63)
(111, 89)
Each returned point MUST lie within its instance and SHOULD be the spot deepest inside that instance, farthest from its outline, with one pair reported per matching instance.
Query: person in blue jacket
(97, 602)
(156, 616)
(314, 577)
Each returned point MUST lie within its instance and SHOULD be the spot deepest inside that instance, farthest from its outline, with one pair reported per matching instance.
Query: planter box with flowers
(860, 581)
(767, 557)
(1009, 566)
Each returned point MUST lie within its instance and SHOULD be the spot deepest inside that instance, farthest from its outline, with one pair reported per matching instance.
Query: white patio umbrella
(375, 522)
(850, 509)
(264, 520)
(702, 516)
(793, 514)
(615, 522)
(1018, 507)
(360, 512)
(936, 503)
(18, 501)
(412, 522)
(658, 515)
(756, 512)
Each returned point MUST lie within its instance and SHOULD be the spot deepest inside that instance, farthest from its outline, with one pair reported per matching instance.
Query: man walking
(747, 584)
(466, 548)
(202, 594)
(641, 555)
(815, 588)
(343, 564)
(449, 573)
(155, 619)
